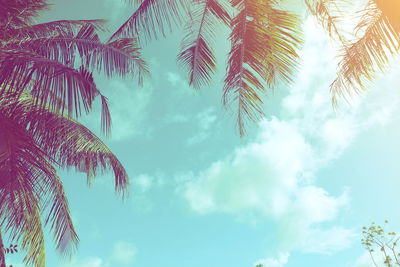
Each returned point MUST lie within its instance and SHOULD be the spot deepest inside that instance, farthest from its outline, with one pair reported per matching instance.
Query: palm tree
(46, 83)
(265, 40)
(34, 140)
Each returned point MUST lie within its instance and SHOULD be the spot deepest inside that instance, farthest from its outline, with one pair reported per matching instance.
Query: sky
(295, 192)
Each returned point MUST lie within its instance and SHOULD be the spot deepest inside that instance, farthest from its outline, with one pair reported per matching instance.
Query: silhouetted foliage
(46, 83)
(265, 40)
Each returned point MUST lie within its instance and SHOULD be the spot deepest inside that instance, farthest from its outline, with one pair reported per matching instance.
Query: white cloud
(87, 262)
(274, 176)
(124, 253)
(180, 84)
(205, 119)
(143, 182)
(270, 178)
(280, 261)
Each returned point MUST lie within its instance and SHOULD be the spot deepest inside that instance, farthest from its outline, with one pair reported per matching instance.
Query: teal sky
(295, 192)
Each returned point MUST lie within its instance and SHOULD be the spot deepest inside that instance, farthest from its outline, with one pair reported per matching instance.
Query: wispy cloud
(274, 177)
(124, 253)
(280, 261)
(87, 262)
(204, 121)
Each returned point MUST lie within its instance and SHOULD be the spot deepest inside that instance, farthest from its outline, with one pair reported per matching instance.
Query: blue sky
(295, 192)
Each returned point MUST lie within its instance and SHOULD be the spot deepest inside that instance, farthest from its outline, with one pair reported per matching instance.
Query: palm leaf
(68, 143)
(25, 173)
(46, 78)
(152, 18)
(264, 43)
(196, 55)
(371, 52)
(49, 29)
(329, 16)
(20, 13)
(65, 236)
(120, 57)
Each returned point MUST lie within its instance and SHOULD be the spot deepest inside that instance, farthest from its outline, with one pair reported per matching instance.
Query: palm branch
(264, 44)
(363, 57)
(45, 65)
(329, 15)
(40, 78)
(35, 139)
(20, 13)
(28, 179)
(120, 57)
(48, 29)
(197, 55)
(152, 18)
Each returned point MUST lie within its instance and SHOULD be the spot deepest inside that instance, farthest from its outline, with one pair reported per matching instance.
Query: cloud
(180, 84)
(205, 119)
(124, 253)
(280, 261)
(87, 262)
(143, 182)
(274, 177)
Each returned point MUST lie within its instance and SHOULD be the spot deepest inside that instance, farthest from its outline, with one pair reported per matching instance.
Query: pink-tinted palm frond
(69, 143)
(197, 55)
(152, 18)
(20, 13)
(120, 57)
(49, 29)
(264, 47)
(26, 173)
(105, 111)
(51, 82)
(59, 217)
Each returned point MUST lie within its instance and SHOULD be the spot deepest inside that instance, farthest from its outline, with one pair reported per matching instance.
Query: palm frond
(67, 142)
(48, 29)
(20, 70)
(197, 55)
(33, 240)
(65, 236)
(105, 111)
(328, 15)
(25, 172)
(120, 57)
(152, 18)
(371, 52)
(20, 13)
(264, 44)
